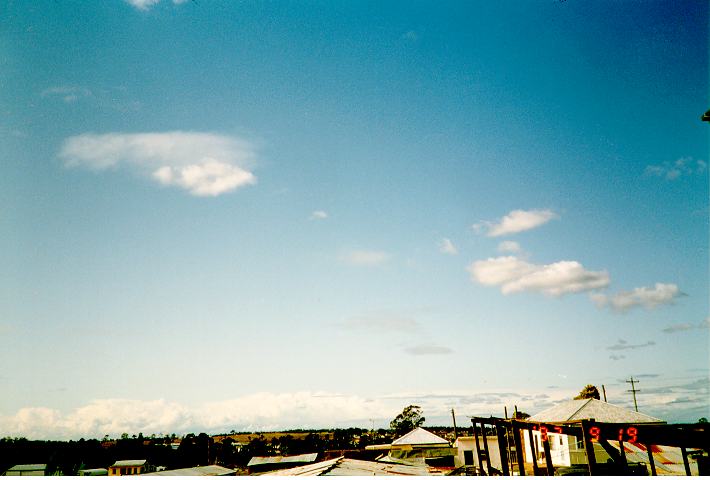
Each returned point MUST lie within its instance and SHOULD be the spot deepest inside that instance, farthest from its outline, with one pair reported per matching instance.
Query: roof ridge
(580, 408)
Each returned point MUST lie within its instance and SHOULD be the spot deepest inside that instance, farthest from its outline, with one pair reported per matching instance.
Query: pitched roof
(129, 463)
(419, 436)
(587, 408)
(351, 467)
(304, 458)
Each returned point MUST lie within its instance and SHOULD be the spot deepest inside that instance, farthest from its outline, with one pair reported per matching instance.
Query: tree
(703, 420)
(590, 391)
(409, 419)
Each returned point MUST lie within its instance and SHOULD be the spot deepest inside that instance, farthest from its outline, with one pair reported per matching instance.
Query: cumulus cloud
(319, 215)
(513, 275)
(685, 166)
(646, 297)
(428, 350)
(515, 222)
(203, 164)
(365, 258)
(448, 247)
(509, 246)
(68, 93)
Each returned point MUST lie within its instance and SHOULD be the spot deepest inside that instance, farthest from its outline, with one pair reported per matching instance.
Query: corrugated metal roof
(204, 471)
(419, 436)
(591, 408)
(350, 467)
(304, 458)
(28, 467)
(93, 471)
(129, 463)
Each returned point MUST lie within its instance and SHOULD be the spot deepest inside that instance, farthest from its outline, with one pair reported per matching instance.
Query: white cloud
(367, 258)
(515, 222)
(68, 93)
(509, 246)
(622, 344)
(684, 166)
(515, 275)
(684, 327)
(647, 297)
(204, 164)
(319, 215)
(147, 4)
(448, 247)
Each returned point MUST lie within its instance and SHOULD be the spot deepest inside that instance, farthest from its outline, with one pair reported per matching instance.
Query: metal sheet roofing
(28, 467)
(129, 463)
(304, 458)
(350, 467)
(419, 436)
(591, 408)
(204, 471)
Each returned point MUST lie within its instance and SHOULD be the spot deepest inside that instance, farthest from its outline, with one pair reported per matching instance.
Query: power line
(633, 391)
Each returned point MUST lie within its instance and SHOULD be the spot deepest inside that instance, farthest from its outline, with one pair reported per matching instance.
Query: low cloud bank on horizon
(280, 411)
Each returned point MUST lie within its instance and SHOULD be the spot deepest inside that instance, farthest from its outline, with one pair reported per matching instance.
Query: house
(264, 464)
(203, 471)
(467, 452)
(418, 447)
(567, 450)
(28, 470)
(128, 467)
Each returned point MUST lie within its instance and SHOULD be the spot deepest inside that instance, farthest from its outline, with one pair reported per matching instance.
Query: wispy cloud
(622, 344)
(684, 166)
(203, 164)
(365, 258)
(513, 275)
(68, 93)
(428, 350)
(684, 327)
(147, 4)
(646, 297)
(447, 246)
(319, 215)
(508, 246)
(616, 357)
(515, 222)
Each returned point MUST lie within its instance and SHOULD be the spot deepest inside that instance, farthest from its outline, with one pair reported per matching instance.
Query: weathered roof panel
(203, 471)
(129, 463)
(304, 458)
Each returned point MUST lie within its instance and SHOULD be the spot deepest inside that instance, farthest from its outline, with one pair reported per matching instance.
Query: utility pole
(453, 415)
(633, 391)
(604, 391)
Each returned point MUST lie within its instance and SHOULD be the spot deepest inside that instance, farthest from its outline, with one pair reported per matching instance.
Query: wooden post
(485, 445)
(536, 471)
(650, 460)
(548, 457)
(589, 447)
(478, 450)
(503, 448)
(622, 453)
(685, 460)
(518, 449)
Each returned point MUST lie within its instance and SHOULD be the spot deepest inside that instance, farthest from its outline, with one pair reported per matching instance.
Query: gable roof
(419, 436)
(585, 409)
(129, 463)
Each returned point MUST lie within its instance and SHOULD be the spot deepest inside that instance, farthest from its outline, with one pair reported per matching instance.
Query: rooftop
(28, 467)
(129, 463)
(350, 467)
(588, 408)
(419, 436)
(304, 458)
(204, 471)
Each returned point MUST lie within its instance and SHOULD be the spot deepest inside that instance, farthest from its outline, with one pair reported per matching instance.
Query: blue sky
(243, 215)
